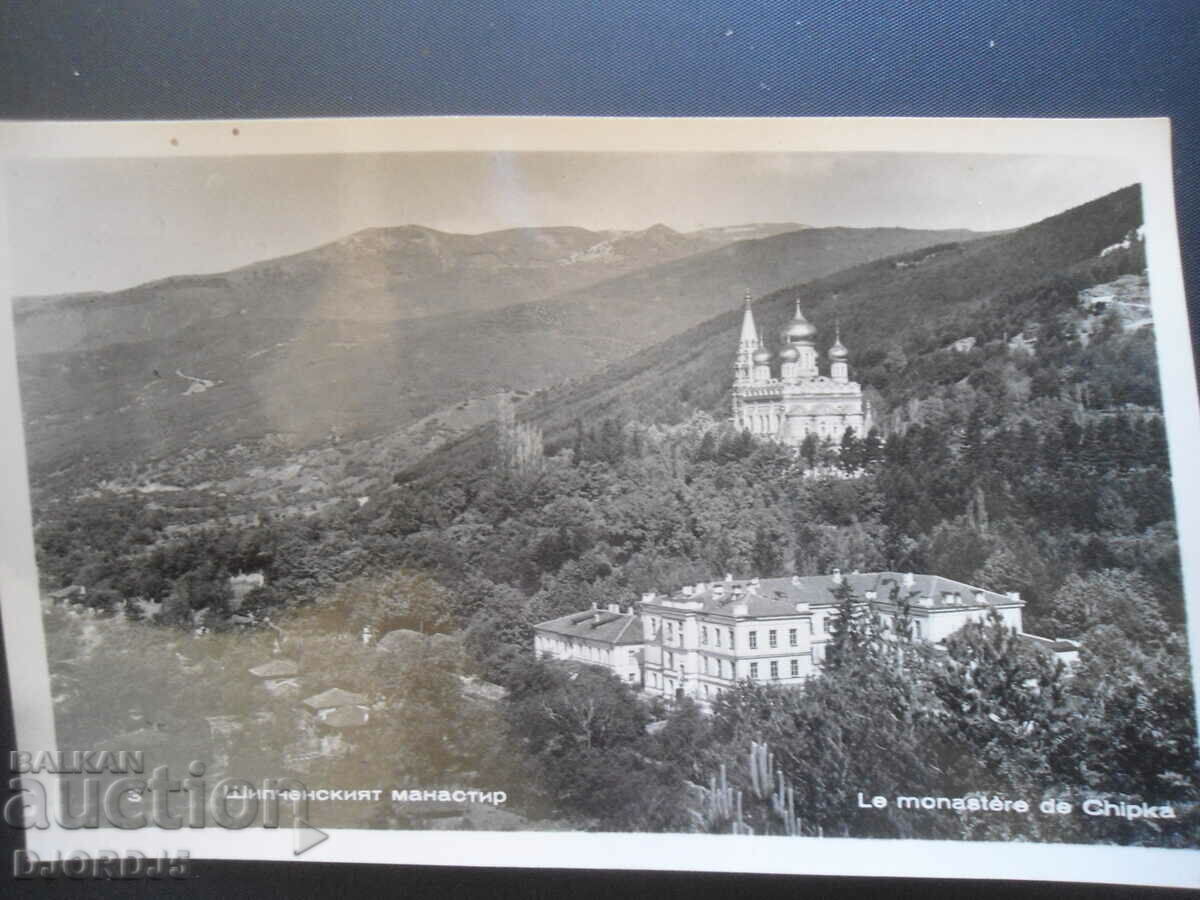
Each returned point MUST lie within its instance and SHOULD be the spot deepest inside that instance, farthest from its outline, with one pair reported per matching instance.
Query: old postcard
(794, 496)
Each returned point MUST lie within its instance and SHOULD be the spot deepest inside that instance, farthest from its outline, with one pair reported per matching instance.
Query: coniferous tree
(851, 634)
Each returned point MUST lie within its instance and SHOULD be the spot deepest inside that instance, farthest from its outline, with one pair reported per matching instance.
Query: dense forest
(1036, 467)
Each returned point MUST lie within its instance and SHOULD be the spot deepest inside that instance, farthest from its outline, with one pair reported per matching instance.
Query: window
(720, 669)
(793, 637)
(774, 668)
(753, 667)
(810, 628)
(703, 635)
(717, 635)
(753, 640)
(795, 668)
(630, 676)
(772, 638)
(670, 633)
(731, 644)
(916, 629)
(828, 625)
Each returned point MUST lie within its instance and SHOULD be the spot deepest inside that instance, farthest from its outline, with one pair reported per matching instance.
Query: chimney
(614, 608)
(754, 582)
(728, 577)
(648, 597)
(595, 605)
(741, 610)
(837, 576)
(908, 580)
(795, 581)
(1014, 596)
(701, 587)
(596, 617)
(687, 590)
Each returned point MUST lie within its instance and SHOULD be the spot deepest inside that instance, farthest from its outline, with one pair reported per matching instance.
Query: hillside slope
(907, 301)
(205, 371)
(379, 274)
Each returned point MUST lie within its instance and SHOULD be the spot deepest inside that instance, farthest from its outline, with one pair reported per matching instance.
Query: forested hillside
(890, 311)
(1032, 458)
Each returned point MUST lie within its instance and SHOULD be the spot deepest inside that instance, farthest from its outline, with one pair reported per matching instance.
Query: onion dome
(762, 356)
(799, 330)
(838, 351)
(789, 354)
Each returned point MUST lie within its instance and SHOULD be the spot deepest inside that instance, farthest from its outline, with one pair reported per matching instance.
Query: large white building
(702, 638)
(600, 637)
(800, 401)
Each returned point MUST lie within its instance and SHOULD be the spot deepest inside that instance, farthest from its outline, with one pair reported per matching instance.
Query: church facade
(799, 401)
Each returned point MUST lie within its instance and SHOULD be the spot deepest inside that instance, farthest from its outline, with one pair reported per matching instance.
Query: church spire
(748, 343)
(749, 336)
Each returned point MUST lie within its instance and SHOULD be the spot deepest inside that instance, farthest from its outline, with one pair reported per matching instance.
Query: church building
(799, 401)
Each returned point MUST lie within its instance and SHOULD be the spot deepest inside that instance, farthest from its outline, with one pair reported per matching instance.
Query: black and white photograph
(806, 492)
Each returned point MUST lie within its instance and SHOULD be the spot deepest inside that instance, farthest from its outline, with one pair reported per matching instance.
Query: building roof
(780, 596)
(597, 625)
(799, 329)
(1057, 645)
(346, 717)
(276, 668)
(335, 697)
(402, 639)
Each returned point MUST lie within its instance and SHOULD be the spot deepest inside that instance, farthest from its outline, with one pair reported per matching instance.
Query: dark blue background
(252, 58)
(243, 58)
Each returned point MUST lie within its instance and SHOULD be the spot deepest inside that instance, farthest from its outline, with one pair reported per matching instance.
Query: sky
(102, 225)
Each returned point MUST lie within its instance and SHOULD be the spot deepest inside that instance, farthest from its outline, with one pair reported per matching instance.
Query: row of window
(711, 666)
(716, 636)
(773, 668)
(773, 671)
(588, 651)
(675, 637)
(773, 637)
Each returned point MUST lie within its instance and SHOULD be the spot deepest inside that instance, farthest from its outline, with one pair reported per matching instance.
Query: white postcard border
(1143, 142)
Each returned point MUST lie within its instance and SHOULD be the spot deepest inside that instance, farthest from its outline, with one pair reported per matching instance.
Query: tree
(872, 448)
(852, 632)
(850, 453)
(1006, 704)
(427, 726)
(1110, 597)
(581, 734)
(809, 448)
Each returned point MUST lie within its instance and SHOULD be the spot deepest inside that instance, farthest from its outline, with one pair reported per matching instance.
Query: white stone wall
(706, 655)
(623, 660)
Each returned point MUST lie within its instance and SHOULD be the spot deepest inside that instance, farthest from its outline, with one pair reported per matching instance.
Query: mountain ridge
(278, 371)
(875, 304)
